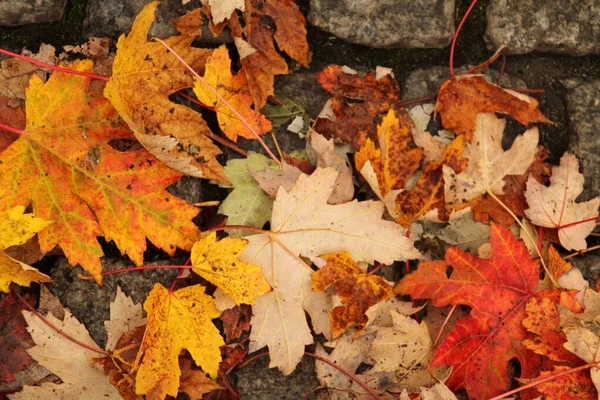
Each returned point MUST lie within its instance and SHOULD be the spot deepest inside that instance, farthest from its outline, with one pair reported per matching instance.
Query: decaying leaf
(194, 382)
(460, 100)
(15, 229)
(234, 89)
(555, 206)
(11, 116)
(125, 316)
(176, 321)
(303, 224)
(247, 204)
(488, 162)
(575, 385)
(218, 262)
(481, 346)
(358, 290)
(83, 184)
(144, 75)
(70, 361)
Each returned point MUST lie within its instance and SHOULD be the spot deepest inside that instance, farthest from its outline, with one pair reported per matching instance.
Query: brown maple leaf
(14, 338)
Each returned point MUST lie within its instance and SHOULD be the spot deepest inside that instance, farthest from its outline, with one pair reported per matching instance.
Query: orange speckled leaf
(64, 166)
(481, 346)
(145, 74)
(460, 100)
(396, 158)
(176, 321)
(428, 192)
(576, 385)
(359, 103)
(556, 265)
(547, 337)
(234, 89)
(355, 287)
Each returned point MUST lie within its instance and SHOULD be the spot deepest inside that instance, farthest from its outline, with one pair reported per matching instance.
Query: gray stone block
(386, 23)
(583, 106)
(22, 12)
(559, 27)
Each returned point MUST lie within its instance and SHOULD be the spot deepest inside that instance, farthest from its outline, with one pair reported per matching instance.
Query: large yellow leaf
(234, 89)
(15, 229)
(218, 263)
(303, 224)
(64, 166)
(176, 321)
(144, 75)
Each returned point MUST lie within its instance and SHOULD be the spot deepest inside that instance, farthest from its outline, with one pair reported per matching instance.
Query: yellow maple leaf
(15, 229)
(176, 321)
(234, 89)
(218, 263)
(144, 75)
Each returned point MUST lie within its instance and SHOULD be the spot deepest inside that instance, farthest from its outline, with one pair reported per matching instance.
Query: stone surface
(589, 264)
(22, 12)
(583, 105)
(90, 303)
(386, 23)
(560, 27)
(113, 17)
(259, 382)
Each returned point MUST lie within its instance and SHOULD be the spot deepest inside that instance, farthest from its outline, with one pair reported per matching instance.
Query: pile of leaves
(499, 310)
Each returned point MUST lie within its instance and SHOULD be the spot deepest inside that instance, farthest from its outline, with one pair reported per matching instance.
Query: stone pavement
(553, 45)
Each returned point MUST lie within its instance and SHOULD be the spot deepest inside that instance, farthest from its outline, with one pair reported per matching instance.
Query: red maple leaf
(497, 289)
(14, 338)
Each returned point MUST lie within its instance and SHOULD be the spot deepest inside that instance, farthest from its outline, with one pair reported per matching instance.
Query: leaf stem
(71, 338)
(242, 119)
(544, 379)
(12, 130)
(518, 221)
(140, 268)
(458, 28)
(580, 252)
(576, 223)
(198, 102)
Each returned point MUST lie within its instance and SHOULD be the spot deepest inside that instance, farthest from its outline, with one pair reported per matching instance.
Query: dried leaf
(125, 316)
(194, 382)
(14, 338)
(13, 117)
(555, 206)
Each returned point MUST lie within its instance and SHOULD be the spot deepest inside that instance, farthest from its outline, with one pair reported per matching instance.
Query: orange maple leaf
(358, 103)
(234, 89)
(460, 100)
(481, 346)
(576, 385)
(356, 288)
(64, 166)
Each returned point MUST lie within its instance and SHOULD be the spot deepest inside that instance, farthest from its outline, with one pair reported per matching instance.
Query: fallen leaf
(576, 385)
(460, 100)
(481, 346)
(69, 360)
(303, 224)
(222, 9)
(83, 184)
(144, 75)
(176, 321)
(15, 229)
(234, 89)
(14, 338)
(247, 204)
(488, 162)
(582, 329)
(125, 316)
(194, 382)
(395, 158)
(13, 117)
(236, 321)
(555, 206)
(218, 262)
(270, 180)
(556, 264)
(358, 291)
(358, 104)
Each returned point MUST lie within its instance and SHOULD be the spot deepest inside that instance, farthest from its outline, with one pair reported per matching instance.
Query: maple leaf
(460, 100)
(426, 200)
(555, 206)
(303, 224)
(247, 204)
(218, 263)
(15, 229)
(11, 116)
(14, 338)
(481, 346)
(144, 75)
(194, 382)
(576, 385)
(234, 89)
(358, 290)
(64, 166)
(393, 160)
(70, 361)
(357, 105)
(236, 321)
(488, 162)
(125, 316)
(176, 321)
